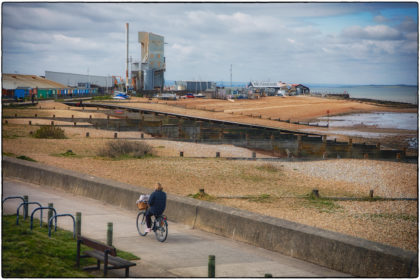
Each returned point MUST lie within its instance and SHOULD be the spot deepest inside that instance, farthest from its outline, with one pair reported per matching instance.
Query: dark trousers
(149, 215)
(149, 218)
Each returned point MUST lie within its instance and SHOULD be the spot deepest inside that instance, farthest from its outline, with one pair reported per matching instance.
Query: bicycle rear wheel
(141, 223)
(161, 231)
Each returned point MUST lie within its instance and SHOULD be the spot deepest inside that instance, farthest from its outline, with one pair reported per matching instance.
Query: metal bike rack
(61, 215)
(11, 197)
(24, 203)
(43, 208)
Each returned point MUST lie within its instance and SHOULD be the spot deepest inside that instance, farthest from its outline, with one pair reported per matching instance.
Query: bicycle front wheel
(141, 223)
(162, 229)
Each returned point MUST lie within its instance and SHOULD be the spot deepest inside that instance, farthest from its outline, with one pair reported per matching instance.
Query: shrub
(50, 132)
(269, 167)
(26, 158)
(124, 148)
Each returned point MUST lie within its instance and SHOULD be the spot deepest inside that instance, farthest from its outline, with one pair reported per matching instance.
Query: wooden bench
(103, 253)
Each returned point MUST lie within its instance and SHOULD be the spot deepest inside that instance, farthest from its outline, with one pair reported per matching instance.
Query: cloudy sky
(340, 43)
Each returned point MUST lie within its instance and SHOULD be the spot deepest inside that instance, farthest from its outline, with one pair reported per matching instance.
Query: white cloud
(375, 32)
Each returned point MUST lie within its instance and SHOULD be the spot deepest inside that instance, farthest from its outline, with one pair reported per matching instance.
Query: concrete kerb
(340, 252)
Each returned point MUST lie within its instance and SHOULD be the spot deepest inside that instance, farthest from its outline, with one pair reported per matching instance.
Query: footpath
(185, 252)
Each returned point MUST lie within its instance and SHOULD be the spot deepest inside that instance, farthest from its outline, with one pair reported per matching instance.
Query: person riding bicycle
(157, 204)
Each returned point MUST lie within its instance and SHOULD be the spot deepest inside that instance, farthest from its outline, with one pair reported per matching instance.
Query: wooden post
(50, 211)
(115, 135)
(25, 207)
(53, 116)
(30, 122)
(87, 134)
(181, 154)
(315, 193)
(217, 154)
(52, 122)
(78, 223)
(109, 234)
(142, 136)
(212, 267)
(371, 193)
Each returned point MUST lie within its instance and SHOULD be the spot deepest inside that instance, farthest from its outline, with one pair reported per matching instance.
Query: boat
(120, 95)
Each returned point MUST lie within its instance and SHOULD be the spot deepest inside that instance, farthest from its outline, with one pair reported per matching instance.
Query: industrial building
(148, 74)
(79, 80)
(14, 81)
(195, 86)
(20, 87)
(277, 88)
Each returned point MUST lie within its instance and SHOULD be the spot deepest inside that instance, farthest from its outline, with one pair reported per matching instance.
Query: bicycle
(159, 225)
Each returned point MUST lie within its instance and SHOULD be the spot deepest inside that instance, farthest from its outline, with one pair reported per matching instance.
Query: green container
(42, 93)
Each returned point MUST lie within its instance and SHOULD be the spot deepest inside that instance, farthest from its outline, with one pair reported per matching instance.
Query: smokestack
(126, 71)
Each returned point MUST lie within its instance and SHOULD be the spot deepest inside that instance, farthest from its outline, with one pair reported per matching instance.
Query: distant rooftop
(13, 81)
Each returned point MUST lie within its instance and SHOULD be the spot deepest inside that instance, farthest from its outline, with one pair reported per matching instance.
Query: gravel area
(278, 189)
(386, 179)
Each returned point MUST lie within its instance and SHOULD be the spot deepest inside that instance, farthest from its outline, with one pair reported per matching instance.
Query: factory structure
(78, 80)
(148, 74)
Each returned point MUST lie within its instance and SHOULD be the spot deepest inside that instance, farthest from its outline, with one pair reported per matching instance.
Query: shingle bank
(340, 252)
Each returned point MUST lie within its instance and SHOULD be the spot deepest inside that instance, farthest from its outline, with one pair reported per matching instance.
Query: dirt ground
(278, 189)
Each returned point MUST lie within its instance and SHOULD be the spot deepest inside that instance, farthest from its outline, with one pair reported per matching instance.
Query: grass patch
(68, 153)
(26, 158)
(50, 132)
(203, 196)
(27, 253)
(394, 216)
(101, 97)
(269, 167)
(263, 198)
(8, 154)
(123, 149)
(323, 205)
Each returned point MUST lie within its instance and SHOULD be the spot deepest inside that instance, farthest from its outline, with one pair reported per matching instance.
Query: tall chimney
(126, 71)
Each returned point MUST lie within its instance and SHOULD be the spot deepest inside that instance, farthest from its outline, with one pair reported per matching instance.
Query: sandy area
(265, 110)
(277, 189)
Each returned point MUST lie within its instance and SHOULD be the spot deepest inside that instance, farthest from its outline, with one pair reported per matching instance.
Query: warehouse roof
(13, 81)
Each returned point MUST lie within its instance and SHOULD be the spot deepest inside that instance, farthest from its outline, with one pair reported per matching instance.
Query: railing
(61, 215)
(25, 212)
(43, 208)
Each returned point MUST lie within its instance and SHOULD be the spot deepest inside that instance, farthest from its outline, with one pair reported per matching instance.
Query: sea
(396, 93)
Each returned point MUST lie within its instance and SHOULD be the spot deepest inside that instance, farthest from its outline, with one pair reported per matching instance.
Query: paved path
(185, 252)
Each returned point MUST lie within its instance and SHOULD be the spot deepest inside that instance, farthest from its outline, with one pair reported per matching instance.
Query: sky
(326, 43)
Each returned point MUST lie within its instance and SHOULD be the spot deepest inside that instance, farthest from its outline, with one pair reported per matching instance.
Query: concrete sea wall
(340, 252)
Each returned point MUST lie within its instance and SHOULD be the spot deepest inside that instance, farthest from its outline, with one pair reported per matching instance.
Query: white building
(75, 80)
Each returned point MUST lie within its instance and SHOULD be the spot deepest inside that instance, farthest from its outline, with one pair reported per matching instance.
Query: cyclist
(157, 204)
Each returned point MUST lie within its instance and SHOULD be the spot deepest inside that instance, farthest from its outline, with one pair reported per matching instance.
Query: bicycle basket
(142, 205)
